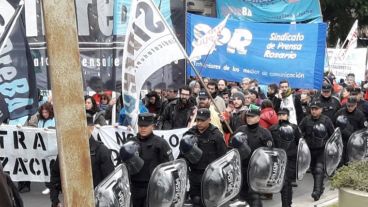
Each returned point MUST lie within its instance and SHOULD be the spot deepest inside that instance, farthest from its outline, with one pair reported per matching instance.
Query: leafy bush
(354, 176)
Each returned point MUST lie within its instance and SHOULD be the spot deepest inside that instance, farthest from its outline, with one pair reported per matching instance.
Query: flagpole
(191, 64)
(13, 21)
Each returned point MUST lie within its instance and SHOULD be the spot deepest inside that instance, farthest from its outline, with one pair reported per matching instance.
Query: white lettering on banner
(237, 42)
(282, 49)
(26, 153)
(115, 137)
(6, 13)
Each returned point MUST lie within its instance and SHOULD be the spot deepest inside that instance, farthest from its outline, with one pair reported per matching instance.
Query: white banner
(355, 62)
(115, 137)
(149, 45)
(26, 153)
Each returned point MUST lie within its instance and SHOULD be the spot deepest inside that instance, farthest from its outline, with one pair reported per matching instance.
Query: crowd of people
(221, 115)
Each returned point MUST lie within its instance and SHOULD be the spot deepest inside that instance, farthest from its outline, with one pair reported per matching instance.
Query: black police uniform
(354, 121)
(317, 132)
(330, 104)
(257, 137)
(213, 146)
(286, 136)
(101, 162)
(154, 150)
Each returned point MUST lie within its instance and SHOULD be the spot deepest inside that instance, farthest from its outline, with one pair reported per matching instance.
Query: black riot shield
(303, 159)
(266, 170)
(357, 146)
(167, 184)
(114, 190)
(222, 179)
(333, 152)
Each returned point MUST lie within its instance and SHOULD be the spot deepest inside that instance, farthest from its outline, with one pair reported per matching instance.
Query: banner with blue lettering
(17, 78)
(270, 10)
(266, 52)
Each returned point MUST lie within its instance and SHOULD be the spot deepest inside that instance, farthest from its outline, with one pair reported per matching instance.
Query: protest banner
(265, 52)
(17, 78)
(354, 62)
(101, 40)
(26, 153)
(115, 136)
(270, 10)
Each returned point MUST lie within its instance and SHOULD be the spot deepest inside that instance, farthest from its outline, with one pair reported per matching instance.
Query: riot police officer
(201, 145)
(349, 119)
(286, 136)
(256, 137)
(142, 154)
(316, 128)
(330, 104)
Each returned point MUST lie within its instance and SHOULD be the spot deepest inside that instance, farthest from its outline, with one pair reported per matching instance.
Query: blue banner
(266, 52)
(270, 10)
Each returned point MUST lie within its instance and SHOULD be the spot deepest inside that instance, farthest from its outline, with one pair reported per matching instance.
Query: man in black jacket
(286, 99)
(212, 144)
(154, 150)
(178, 112)
(330, 104)
(349, 119)
(317, 129)
(286, 136)
(257, 137)
(101, 163)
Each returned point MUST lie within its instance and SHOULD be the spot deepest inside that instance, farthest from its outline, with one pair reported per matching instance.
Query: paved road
(301, 196)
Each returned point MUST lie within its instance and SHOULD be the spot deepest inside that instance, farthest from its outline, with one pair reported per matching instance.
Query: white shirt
(288, 103)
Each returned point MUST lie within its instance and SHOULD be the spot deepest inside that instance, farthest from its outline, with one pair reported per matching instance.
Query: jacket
(176, 115)
(268, 118)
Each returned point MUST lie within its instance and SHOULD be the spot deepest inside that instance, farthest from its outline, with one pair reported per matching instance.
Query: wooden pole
(67, 89)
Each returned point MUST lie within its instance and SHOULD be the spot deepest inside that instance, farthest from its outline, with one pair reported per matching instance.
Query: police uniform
(154, 150)
(331, 104)
(317, 132)
(212, 144)
(257, 137)
(349, 122)
(286, 136)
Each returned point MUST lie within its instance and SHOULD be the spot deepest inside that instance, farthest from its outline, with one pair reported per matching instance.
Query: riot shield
(222, 179)
(357, 146)
(333, 152)
(266, 170)
(114, 190)
(303, 159)
(167, 184)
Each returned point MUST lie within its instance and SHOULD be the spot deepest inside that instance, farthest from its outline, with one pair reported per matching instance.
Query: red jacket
(268, 118)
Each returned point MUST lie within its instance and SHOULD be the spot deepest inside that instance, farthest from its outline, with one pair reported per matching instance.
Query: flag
(17, 76)
(149, 45)
(206, 44)
(352, 40)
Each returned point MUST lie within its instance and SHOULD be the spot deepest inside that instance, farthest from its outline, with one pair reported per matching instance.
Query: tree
(340, 16)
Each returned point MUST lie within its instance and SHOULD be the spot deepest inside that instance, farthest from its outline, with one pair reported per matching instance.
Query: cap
(203, 114)
(146, 119)
(283, 111)
(253, 110)
(326, 87)
(315, 104)
(352, 100)
(355, 91)
(203, 94)
(238, 95)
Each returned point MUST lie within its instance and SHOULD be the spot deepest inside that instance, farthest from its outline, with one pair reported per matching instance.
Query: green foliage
(354, 176)
(341, 14)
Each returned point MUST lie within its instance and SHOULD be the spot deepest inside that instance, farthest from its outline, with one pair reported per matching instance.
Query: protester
(235, 112)
(195, 87)
(205, 102)
(178, 112)
(125, 120)
(245, 84)
(104, 101)
(268, 115)
(93, 112)
(219, 102)
(222, 87)
(153, 103)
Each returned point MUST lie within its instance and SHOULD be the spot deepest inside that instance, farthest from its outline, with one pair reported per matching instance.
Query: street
(301, 196)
